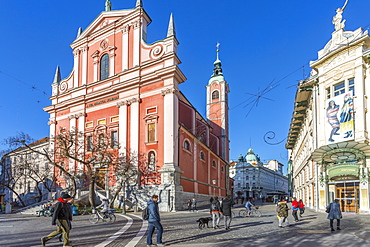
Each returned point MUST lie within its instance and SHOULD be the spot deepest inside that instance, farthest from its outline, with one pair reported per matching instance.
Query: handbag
(328, 208)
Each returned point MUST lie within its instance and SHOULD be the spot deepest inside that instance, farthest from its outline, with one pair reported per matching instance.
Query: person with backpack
(282, 210)
(226, 211)
(189, 205)
(215, 211)
(61, 217)
(295, 208)
(154, 221)
(334, 213)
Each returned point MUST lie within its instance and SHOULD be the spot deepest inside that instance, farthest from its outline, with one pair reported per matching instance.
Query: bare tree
(126, 172)
(11, 177)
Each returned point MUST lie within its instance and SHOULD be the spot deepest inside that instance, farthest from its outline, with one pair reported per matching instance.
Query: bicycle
(85, 210)
(96, 215)
(254, 212)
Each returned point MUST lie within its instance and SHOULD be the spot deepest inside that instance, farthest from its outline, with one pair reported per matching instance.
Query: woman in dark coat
(334, 214)
(226, 211)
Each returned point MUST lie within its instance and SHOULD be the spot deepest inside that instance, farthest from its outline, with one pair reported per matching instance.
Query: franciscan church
(127, 88)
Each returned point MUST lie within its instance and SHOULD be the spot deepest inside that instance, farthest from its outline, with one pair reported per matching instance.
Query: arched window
(213, 163)
(201, 156)
(104, 67)
(215, 94)
(187, 145)
(151, 161)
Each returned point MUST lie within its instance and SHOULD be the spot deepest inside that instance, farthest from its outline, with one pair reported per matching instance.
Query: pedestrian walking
(282, 210)
(189, 204)
(334, 213)
(154, 221)
(295, 209)
(226, 211)
(215, 210)
(194, 205)
(60, 236)
(61, 217)
(301, 207)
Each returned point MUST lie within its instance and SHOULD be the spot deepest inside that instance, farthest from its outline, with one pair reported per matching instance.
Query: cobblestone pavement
(181, 230)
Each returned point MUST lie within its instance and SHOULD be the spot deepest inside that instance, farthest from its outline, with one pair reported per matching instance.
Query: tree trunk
(119, 188)
(92, 192)
(40, 192)
(74, 185)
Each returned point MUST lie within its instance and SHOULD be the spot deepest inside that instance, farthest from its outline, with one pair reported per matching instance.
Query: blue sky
(263, 43)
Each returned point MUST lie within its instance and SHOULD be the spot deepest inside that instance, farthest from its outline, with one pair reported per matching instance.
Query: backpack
(277, 208)
(214, 207)
(145, 214)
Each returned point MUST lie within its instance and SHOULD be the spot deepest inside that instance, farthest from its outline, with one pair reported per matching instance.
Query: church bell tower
(218, 105)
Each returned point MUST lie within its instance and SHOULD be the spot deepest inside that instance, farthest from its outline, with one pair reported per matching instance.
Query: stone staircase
(31, 209)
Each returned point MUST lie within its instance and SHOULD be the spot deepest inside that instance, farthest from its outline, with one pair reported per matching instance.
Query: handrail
(13, 203)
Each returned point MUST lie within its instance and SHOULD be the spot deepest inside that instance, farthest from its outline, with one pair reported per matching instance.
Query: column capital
(169, 91)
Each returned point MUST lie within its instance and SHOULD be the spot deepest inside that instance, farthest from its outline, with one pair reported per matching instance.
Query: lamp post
(214, 187)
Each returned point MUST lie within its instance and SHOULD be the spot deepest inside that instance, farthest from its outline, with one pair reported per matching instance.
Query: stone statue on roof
(337, 19)
(108, 5)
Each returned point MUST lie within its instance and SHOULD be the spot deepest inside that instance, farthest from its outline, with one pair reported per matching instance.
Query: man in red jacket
(295, 209)
(301, 207)
(61, 217)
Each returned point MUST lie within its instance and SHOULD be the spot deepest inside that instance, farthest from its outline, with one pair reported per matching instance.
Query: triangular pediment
(105, 18)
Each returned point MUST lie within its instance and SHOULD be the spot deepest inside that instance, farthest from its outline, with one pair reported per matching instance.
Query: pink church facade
(129, 89)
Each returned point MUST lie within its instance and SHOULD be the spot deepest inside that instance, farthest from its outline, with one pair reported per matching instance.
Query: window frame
(104, 66)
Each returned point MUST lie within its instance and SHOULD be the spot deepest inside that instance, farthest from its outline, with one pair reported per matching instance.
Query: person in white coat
(105, 206)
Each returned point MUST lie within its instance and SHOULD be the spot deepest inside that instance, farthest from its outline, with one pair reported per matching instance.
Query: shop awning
(341, 152)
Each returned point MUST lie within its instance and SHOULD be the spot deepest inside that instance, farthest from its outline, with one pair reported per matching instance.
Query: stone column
(95, 56)
(76, 60)
(125, 47)
(84, 65)
(170, 172)
(122, 134)
(137, 41)
(112, 55)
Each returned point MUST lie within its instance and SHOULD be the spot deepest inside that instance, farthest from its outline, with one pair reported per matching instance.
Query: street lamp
(214, 187)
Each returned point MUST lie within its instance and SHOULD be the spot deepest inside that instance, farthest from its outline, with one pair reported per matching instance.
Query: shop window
(104, 67)
(339, 89)
(351, 86)
(328, 94)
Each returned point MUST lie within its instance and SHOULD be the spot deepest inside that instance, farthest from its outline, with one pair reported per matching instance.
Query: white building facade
(254, 179)
(328, 139)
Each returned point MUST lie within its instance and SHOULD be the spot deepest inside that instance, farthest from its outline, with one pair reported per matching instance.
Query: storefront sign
(343, 170)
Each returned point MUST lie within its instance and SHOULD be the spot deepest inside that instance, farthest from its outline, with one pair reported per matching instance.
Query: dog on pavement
(203, 222)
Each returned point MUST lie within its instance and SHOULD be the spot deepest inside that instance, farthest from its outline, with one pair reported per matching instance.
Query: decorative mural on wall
(340, 118)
